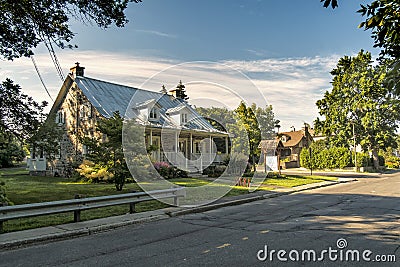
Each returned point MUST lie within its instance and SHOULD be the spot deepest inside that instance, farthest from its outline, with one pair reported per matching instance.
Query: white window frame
(184, 118)
(154, 114)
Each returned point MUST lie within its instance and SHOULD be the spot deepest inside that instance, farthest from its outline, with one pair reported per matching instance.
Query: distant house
(271, 153)
(293, 143)
(82, 101)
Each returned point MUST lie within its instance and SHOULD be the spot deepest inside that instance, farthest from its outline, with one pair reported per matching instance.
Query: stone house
(82, 101)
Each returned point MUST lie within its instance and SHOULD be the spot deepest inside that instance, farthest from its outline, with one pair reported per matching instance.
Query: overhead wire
(40, 77)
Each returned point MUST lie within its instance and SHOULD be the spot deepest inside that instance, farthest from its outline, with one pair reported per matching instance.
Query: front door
(156, 143)
(183, 146)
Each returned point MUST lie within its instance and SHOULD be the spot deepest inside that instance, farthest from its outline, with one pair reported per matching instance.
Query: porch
(188, 150)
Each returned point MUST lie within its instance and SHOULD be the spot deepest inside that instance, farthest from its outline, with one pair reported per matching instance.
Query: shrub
(392, 162)
(214, 170)
(325, 158)
(3, 197)
(94, 173)
(168, 171)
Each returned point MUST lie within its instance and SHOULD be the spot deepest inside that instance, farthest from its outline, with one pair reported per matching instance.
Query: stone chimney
(77, 70)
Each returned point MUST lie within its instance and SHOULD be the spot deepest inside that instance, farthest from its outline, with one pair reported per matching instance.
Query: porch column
(226, 145)
(176, 142)
(211, 147)
(151, 137)
(191, 146)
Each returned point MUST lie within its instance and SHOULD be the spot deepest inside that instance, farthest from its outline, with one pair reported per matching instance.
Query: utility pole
(355, 149)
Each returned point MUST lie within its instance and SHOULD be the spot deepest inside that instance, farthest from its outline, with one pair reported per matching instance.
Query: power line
(40, 77)
(54, 59)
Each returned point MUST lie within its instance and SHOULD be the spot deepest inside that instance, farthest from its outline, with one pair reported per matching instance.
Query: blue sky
(285, 48)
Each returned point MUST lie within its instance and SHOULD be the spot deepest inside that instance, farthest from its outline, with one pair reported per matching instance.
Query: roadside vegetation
(20, 188)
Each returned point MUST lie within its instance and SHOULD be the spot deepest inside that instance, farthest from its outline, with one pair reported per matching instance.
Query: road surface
(310, 228)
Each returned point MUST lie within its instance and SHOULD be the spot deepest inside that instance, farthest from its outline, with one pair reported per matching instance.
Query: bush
(3, 197)
(94, 173)
(168, 171)
(325, 158)
(392, 162)
(214, 170)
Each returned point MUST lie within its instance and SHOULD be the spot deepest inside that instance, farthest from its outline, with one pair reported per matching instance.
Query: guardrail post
(132, 205)
(2, 222)
(77, 213)
(176, 200)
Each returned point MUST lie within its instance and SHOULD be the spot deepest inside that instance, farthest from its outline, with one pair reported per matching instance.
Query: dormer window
(154, 114)
(184, 118)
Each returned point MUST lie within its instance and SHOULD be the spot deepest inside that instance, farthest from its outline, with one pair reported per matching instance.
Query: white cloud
(157, 33)
(290, 85)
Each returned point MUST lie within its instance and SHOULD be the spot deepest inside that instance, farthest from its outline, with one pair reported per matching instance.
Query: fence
(79, 204)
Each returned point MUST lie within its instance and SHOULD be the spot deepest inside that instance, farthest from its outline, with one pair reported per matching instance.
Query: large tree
(20, 115)
(247, 125)
(359, 99)
(382, 17)
(25, 24)
(20, 119)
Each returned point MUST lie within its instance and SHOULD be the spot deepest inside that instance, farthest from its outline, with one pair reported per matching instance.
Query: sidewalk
(65, 231)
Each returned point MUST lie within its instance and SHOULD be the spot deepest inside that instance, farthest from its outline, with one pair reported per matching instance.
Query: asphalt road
(364, 216)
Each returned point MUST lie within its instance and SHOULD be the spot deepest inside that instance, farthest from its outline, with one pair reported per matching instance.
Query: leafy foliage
(108, 155)
(25, 24)
(10, 150)
(323, 157)
(359, 99)
(248, 125)
(47, 138)
(168, 171)
(20, 115)
(20, 119)
(328, 3)
(383, 19)
(3, 195)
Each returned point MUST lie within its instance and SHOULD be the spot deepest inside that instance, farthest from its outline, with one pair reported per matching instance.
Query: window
(184, 118)
(153, 115)
(60, 117)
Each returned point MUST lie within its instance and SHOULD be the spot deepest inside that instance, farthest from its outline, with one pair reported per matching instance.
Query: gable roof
(270, 145)
(294, 138)
(109, 97)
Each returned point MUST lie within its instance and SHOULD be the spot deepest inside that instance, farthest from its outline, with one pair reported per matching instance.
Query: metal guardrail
(78, 204)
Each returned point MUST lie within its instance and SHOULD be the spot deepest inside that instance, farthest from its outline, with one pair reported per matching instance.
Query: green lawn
(23, 189)
(296, 180)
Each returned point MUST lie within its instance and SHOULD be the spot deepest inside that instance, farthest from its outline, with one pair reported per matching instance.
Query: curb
(168, 213)
(75, 233)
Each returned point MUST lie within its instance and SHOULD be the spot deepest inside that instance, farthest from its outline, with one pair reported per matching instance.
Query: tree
(359, 99)
(248, 119)
(25, 24)
(47, 138)
(266, 121)
(247, 125)
(109, 154)
(20, 115)
(20, 119)
(382, 18)
(10, 150)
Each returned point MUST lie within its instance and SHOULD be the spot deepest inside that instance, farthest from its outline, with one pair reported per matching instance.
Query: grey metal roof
(109, 97)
